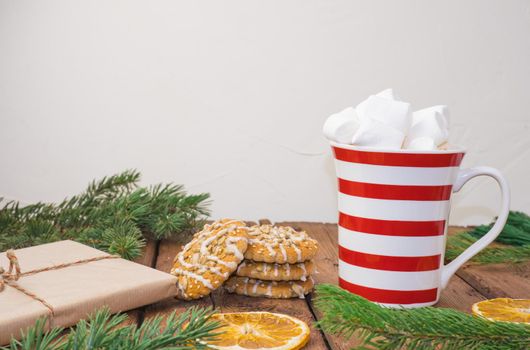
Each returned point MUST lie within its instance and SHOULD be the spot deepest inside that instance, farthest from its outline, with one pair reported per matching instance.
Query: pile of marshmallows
(383, 121)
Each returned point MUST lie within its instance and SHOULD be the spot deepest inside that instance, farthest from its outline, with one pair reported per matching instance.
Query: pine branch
(499, 253)
(516, 231)
(37, 338)
(512, 245)
(188, 330)
(377, 327)
(112, 214)
(124, 239)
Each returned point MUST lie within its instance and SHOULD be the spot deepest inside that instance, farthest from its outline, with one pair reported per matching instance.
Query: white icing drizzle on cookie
(206, 282)
(269, 290)
(230, 264)
(284, 252)
(287, 269)
(302, 266)
(282, 240)
(298, 289)
(245, 290)
(255, 287)
(207, 241)
(204, 250)
(270, 248)
(231, 247)
(243, 264)
(298, 252)
(200, 268)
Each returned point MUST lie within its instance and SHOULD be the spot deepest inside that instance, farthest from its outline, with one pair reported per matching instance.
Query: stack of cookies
(264, 260)
(277, 264)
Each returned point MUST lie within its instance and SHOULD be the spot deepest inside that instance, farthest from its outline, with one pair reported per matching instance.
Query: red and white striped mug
(393, 213)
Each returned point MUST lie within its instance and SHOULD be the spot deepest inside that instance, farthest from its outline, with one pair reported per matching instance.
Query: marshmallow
(388, 94)
(384, 121)
(422, 113)
(341, 127)
(432, 123)
(421, 143)
(391, 112)
(373, 133)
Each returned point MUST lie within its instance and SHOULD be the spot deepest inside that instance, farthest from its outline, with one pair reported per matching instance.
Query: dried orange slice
(504, 309)
(260, 330)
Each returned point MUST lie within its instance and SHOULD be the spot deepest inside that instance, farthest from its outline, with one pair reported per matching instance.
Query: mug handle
(464, 175)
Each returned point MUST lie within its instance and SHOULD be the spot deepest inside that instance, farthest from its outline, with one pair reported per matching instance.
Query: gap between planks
(228, 302)
(164, 261)
(326, 262)
(314, 329)
(458, 294)
(471, 284)
(295, 307)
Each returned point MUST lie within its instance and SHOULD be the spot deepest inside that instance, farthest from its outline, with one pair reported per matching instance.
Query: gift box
(66, 281)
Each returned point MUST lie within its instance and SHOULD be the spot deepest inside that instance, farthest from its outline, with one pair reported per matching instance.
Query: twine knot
(13, 273)
(5, 277)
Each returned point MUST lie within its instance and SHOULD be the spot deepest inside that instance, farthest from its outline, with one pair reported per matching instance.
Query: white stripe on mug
(390, 245)
(391, 209)
(395, 175)
(391, 280)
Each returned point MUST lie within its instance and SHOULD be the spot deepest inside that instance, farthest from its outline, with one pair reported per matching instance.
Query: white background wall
(228, 97)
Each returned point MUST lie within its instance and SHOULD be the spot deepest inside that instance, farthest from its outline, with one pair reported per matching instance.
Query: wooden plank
(326, 261)
(326, 272)
(471, 284)
(498, 280)
(458, 294)
(148, 257)
(295, 307)
(495, 280)
(166, 253)
(304, 312)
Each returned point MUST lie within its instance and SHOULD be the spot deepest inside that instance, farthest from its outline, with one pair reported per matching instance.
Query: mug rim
(455, 149)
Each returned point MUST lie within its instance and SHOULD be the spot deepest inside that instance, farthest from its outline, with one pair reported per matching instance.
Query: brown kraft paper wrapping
(75, 291)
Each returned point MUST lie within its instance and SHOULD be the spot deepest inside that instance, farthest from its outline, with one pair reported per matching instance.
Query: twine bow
(10, 278)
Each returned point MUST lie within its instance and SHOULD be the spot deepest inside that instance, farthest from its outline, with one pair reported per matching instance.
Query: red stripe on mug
(390, 263)
(392, 227)
(391, 296)
(436, 160)
(399, 192)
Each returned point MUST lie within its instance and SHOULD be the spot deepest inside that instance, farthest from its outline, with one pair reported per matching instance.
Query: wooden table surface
(470, 284)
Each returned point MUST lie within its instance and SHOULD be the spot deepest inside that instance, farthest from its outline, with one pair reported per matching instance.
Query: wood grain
(498, 280)
(149, 253)
(326, 263)
(494, 280)
(227, 302)
(459, 295)
(471, 284)
(166, 253)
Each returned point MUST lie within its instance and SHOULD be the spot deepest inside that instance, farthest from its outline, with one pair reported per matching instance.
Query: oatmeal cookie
(279, 244)
(270, 289)
(207, 261)
(275, 272)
